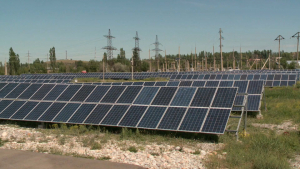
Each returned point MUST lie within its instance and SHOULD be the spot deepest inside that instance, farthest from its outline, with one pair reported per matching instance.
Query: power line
(109, 46)
(294, 36)
(279, 37)
(221, 48)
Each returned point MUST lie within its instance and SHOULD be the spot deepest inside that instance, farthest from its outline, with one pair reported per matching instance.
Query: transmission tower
(221, 48)
(279, 37)
(109, 46)
(157, 50)
(137, 48)
(297, 36)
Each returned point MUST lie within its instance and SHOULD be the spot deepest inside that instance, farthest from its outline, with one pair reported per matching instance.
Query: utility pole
(166, 60)
(241, 58)
(192, 61)
(149, 61)
(157, 50)
(66, 55)
(294, 36)
(109, 46)
(28, 61)
(205, 61)
(256, 62)
(279, 37)
(269, 61)
(132, 67)
(5, 67)
(221, 48)
(214, 58)
(233, 64)
(195, 59)
(179, 59)
(103, 66)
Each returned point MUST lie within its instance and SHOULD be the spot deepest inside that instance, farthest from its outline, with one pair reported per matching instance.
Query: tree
(14, 62)
(136, 61)
(52, 58)
(38, 66)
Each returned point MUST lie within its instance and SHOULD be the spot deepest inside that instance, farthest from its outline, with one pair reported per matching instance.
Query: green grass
(89, 80)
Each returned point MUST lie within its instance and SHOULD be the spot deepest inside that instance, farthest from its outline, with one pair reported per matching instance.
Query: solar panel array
(190, 109)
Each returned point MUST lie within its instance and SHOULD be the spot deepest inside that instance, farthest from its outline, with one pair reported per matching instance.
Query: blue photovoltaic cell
(2, 85)
(285, 77)
(178, 76)
(263, 77)
(29, 91)
(212, 84)
(270, 77)
(250, 77)
(138, 83)
(146, 95)
(292, 77)
(80, 115)
(193, 119)
(224, 97)
(18, 90)
(226, 84)
(113, 94)
(230, 77)
(277, 77)
(199, 83)
(69, 93)
(224, 77)
(239, 100)
(98, 113)
(38, 111)
(200, 76)
(255, 87)
(164, 96)
(189, 77)
(129, 94)
(172, 118)
(237, 77)
(212, 77)
(218, 77)
(269, 83)
(243, 77)
(152, 117)
(256, 77)
(97, 94)
(127, 83)
(173, 77)
(66, 112)
(53, 110)
(195, 77)
(183, 76)
(283, 83)
(206, 76)
(253, 102)
(276, 83)
(203, 97)
(115, 114)
(55, 92)
(83, 93)
(106, 84)
(160, 83)
(183, 96)
(185, 83)
(8, 88)
(115, 83)
(11, 109)
(133, 116)
(41, 93)
(242, 85)
(20, 114)
(216, 121)
(173, 83)
(149, 83)
(291, 83)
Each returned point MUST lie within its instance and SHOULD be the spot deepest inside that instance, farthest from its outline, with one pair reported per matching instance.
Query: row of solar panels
(204, 120)
(235, 77)
(36, 81)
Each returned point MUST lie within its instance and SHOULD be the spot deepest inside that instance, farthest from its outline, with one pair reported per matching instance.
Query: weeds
(132, 149)
(197, 152)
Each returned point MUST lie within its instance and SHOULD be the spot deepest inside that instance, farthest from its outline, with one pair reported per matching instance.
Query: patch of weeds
(62, 140)
(56, 151)
(132, 149)
(43, 140)
(197, 152)
(23, 140)
(82, 156)
(32, 138)
(104, 158)
(96, 146)
(41, 149)
(2, 142)
(155, 154)
(12, 138)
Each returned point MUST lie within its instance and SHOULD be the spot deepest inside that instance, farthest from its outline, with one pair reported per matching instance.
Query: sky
(79, 26)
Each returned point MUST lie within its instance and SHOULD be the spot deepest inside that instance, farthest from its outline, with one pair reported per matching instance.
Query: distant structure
(136, 38)
(109, 46)
(156, 49)
(279, 38)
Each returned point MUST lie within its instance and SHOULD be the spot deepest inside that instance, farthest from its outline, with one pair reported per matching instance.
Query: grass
(264, 148)
(89, 80)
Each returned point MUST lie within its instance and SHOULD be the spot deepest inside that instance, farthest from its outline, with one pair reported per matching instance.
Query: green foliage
(197, 152)
(52, 59)
(132, 149)
(14, 62)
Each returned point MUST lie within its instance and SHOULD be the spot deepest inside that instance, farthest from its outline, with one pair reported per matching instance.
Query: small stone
(4, 134)
(224, 153)
(177, 148)
(203, 152)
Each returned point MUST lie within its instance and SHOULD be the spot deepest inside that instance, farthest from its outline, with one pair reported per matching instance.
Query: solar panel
(114, 115)
(151, 117)
(129, 94)
(133, 116)
(160, 83)
(29, 91)
(97, 94)
(237, 77)
(38, 111)
(127, 83)
(277, 77)
(203, 97)
(146, 95)
(269, 83)
(66, 112)
(230, 77)
(178, 76)
(206, 76)
(226, 84)
(216, 121)
(212, 77)
(239, 100)
(199, 83)
(224, 97)
(183, 76)
(41, 93)
(53, 110)
(256, 77)
(291, 83)
(97, 114)
(189, 77)
(2, 85)
(250, 77)
(21, 113)
(224, 77)
(7, 89)
(55, 92)
(18, 90)
(11, 109)
(283, 83)
(185, 83)
(4, 104)
(212, 84)
(219, 77)
(149, 83)
(164, 96)
(80, 115)
(253, 102)
(116, 84)
(138, 83)
(69, 93)
(183, 96)
(276, 83)
(242, 85)
(83, 93)
(255, 87)
(292, 77)
(195, 77)
(113, 94)
(270, 77)
(243, 77)
(172, 118)
(173, 83)
(193, 119)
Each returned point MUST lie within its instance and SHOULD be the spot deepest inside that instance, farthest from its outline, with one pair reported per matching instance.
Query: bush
(132, 149)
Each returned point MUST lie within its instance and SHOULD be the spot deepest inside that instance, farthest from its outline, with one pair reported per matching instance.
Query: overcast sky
(78, 26)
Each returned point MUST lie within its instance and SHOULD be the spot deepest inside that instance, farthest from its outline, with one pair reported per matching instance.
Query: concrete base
(259, 116)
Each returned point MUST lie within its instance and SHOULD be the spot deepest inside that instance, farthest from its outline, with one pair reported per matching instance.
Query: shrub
(132, 149)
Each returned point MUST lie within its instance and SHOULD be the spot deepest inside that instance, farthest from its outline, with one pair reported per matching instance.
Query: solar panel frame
(20, 114)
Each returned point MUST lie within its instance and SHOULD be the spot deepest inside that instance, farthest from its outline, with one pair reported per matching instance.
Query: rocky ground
(148, 155)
